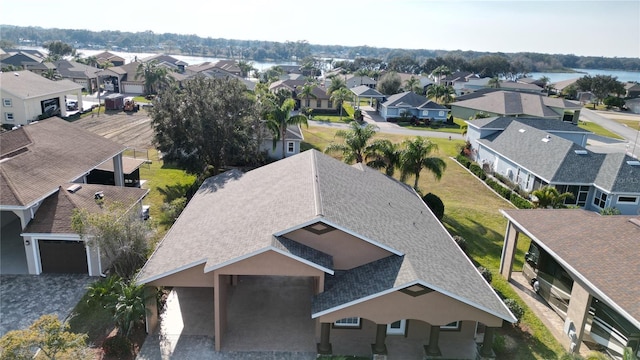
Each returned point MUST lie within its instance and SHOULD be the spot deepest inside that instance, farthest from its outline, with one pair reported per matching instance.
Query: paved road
(630, 145)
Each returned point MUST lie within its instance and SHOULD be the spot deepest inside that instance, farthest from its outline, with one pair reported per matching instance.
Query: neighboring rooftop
(25, 84)
(515, 103)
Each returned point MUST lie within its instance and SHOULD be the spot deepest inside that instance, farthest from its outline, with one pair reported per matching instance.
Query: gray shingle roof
(302, 251)
(26, 85)
(56, 152)
(583, 237)
(550, 125)
(516, 103)
(617, 175)
(364, 90)
(411, 99)
(234, 215)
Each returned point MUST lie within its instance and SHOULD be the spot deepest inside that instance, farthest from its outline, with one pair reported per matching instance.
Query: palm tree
(155, 76)
(440, 92)
(307, 92)
(415, 157)
(340, 96)
(383, 154)
(355, 142)
(549, 197)
(279, 119)
(412, 84)
(494, 82)
(245, 67)
(337, 83)
(439, 71)
(51, 74)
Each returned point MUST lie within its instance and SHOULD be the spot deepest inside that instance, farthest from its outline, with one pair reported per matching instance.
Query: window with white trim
(290, 147)
(8, 116)
(600, 200)
(627, 199)
(350, 322)
(6, 102)
(441, 113)
(307, 103)
(451, 326)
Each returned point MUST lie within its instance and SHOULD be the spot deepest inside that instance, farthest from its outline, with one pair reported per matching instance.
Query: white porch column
(508, 250)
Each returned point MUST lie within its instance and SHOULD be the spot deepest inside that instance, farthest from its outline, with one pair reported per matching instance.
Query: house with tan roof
(497, 102)
(46, 171)
(27, 97)
(584, 265)
(108, 57)
(357, 255)
(320, 101)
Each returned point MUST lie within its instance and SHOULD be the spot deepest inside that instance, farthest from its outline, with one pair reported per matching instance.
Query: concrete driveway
(24, 298)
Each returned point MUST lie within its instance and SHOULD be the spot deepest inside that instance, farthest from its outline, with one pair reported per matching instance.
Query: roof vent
(16, 74)
(522, 130)
(546, 139)
(73, 188)
(580, 152)
(633, 162)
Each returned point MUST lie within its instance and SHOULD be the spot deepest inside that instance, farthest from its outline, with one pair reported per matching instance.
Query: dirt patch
(130, 129)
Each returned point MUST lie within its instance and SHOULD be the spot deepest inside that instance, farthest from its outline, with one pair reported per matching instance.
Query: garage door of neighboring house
(133, 88)
(69, 257)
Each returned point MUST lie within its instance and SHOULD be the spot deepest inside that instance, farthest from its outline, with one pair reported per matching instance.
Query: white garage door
(133, 89)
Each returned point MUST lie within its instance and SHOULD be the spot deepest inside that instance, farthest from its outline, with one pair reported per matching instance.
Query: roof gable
(25, 85)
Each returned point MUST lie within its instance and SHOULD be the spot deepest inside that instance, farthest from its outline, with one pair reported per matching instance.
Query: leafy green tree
(494, 82)
(355, 142)
(339, 97)
(279, 119)
(48, 334)
(119, 233)
(245, 68)
(546, 84)
(155, 77)
(416, 156)
(549, 197)
(129, 309)
(390, 83)
(58, 49)
(207, 122)
(570, 92)
(51, 74)
(383, 154)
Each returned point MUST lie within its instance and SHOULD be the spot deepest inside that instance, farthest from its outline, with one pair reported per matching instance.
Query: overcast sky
(599, 28)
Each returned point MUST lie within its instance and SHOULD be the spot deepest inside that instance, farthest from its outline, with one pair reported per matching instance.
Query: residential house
(521, 86)
(85, 75)
(533, 153)
(230, 66)
(414, 105)
(561, 85)
(354, 81)
(358, 254)
(425, 81)
(471, 85)
(498, 102)
(28, 97)
(292, 140)
(107, 57)
(582, 264)
(167, 61)
(363, 91)
(632, 89)
(125, 79)
(457, 77)
(319, 102)
(19, 59)
(45, 172)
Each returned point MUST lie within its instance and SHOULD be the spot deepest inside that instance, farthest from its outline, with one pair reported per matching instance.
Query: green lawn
(458, 127)
(598, 130)
(471, 211)
(633, 124)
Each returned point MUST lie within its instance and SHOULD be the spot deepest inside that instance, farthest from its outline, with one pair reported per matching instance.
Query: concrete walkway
(24, 298)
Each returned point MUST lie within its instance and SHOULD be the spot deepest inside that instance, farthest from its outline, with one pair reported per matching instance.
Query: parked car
(72, 105)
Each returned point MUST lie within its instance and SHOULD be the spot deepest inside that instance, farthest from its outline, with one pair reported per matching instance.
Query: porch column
(508, 250)
(151, 304)
(434, 335)
(118, 173)
(381, 334)
(577, 313)
(487, 343)
(324, 347)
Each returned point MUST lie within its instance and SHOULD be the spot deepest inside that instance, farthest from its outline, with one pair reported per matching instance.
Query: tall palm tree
(439, 71)
(339, 97)
(549, 197)
(415, 157)
(155, 76)
(307, 92)
(337, 83)
(245, 67)
(279, 119)
(412, 84)
(383, 154)
(440, 93)
(355, 142)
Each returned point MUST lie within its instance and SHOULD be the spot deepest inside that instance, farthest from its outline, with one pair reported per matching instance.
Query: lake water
(623, 76)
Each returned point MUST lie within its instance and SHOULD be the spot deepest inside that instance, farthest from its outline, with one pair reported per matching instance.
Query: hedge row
(477, 171)
(519, 202)
(463, 160)
(503, 191)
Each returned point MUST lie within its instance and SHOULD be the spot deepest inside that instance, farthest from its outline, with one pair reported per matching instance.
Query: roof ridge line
(317, 197)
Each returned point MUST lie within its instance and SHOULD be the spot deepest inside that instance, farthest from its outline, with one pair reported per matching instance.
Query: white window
(397, 328)
(8, 116)
(600, 200)
(628, 199)
(6, 102)
(441, 113)
(290, 147)
(350, 322)
(451, 326)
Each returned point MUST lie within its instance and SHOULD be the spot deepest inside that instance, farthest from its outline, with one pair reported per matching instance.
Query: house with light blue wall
(533, 153)
(413, 104)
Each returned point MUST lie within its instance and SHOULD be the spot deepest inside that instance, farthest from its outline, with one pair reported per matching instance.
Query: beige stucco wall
(270, 263)
(433, 308)
(17, 108)
(348, 251)
(191, 277)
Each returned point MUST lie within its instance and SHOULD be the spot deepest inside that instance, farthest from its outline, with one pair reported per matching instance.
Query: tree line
(413, 61)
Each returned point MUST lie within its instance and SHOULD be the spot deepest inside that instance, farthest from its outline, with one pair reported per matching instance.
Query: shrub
(462, 243)
(486, 274)
(515, 309)
(435, 204)
(118, 346)
(477, 171)
(499, 344)
(171, 210)
(520, 203)
(463, 160)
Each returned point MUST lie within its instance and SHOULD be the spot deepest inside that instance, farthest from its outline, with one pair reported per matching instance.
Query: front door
(397, 328)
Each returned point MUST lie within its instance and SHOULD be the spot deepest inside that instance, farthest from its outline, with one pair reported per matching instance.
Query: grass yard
(633, 124)
(598, 130)
(472, 211)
